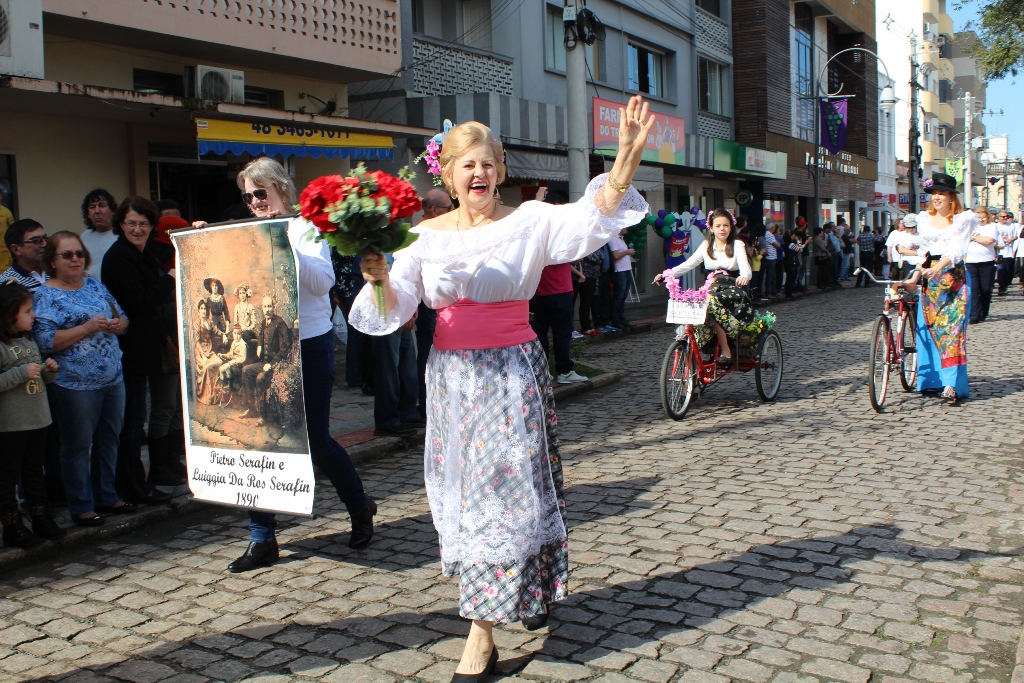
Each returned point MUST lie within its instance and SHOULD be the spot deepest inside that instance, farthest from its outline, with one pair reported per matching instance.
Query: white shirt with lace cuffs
(950, 241)
(500, 261)
(738, 260)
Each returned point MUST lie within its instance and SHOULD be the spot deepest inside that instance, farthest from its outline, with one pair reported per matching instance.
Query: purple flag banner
(833, 124)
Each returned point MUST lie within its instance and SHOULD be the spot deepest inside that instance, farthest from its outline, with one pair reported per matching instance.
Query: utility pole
(969, 124)
(576, 102)
(915, 147)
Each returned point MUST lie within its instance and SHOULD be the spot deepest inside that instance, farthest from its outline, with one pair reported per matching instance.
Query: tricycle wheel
(678, 378)
(768, 368)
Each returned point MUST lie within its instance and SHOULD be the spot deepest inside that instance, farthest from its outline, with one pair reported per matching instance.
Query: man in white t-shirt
(891, 255)
(98, 211)
(622, 274)
(1008, 236)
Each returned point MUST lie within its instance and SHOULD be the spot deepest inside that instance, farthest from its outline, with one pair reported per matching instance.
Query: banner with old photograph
(241, 374)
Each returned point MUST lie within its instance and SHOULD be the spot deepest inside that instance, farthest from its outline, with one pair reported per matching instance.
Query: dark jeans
(837, 265)
(394, 376)
(982, 277)
(867, 262)
(588, 308)
(163, 412)
(554, 312)
(603, 295)
(425, 325)
(620, 286)
(358, 353)
(768, 275)
(824, 266)
(51, 461)
(328, 455)
(791, 275)
(1005, 273)
(23, 459)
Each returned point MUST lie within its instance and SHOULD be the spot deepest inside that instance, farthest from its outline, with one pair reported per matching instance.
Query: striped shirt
(31, 280)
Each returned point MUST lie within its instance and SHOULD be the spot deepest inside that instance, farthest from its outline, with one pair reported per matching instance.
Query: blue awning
(315, 151)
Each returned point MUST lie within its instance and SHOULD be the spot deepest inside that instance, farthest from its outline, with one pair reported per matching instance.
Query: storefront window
(7, 183)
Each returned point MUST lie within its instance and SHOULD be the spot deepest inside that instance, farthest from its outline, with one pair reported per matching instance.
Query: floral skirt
(942, 331)
(729, 306)
(494, 480)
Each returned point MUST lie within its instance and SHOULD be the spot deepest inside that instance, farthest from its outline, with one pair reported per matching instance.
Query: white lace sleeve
(574, 230)
(742, 263)
(407, 282)
(963, 226)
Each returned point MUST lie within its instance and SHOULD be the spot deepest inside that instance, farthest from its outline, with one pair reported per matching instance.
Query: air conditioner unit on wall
(214, 83)
(21, 38)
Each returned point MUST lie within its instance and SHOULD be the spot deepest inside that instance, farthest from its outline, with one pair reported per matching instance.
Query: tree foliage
(1000, 44)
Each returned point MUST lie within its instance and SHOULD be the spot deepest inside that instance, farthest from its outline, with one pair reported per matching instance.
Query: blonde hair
(984, 210)
(268, 172)
(954, 204)
(460, 140)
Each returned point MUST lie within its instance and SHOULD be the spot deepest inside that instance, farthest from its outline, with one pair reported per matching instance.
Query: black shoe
(258, 554)
(122, 509)
(362, 526)
(15, 534)
(95, 520)
(154, 497)
(492, 661)
(535, 623)
(43, 524)
(403, 431)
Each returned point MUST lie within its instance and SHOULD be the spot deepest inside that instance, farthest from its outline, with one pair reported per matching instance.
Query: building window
(711, 82)
(710, 6)
(646, 70)
(476, 22)
(944, 91)
(804, 61)
(264, 97)
(158, 83)
(554, 47)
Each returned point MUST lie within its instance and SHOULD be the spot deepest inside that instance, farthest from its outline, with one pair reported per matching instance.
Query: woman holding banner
(493, 473)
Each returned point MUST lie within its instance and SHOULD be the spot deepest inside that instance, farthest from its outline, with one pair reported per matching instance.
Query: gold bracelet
(617, 186)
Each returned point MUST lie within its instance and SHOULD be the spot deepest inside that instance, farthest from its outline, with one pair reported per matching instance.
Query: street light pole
(915, 159)
(969, 124)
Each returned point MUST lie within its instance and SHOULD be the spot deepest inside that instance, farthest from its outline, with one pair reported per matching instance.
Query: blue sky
(1006, 94)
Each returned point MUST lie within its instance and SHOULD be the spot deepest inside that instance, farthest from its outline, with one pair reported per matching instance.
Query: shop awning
(646, 178)
(536, 165)
(216, 136)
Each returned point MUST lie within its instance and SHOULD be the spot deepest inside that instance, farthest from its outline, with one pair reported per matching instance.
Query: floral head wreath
(243, 288)
(432, 154)
(928, 183)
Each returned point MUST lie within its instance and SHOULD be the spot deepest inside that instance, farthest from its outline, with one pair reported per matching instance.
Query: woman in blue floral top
(76, 323)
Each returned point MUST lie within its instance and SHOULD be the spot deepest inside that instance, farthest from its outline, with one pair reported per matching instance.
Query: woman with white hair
(493, 473)
(268, 191)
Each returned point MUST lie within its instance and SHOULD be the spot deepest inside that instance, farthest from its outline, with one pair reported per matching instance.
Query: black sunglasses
(67, 255)
(37, 240)
(259, 193)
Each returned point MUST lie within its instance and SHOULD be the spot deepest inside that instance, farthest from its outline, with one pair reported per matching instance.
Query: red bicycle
(893, 350)
(687, 372)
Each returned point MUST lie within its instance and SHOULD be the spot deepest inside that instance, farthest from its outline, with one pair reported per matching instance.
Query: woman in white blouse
(729, 307)
(981, 264)
(945, 230)
(493, 473)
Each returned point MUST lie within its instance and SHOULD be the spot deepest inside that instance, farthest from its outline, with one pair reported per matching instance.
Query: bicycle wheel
(878, 372)
(768, 368)
(678, 378)
(906, 331)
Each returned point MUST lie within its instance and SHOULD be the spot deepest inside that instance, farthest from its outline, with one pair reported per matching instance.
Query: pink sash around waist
(468, 324)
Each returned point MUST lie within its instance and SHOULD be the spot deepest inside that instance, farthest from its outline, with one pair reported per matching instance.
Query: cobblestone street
(802, 541)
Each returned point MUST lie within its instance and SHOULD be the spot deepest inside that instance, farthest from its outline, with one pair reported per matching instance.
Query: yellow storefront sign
(216, 136)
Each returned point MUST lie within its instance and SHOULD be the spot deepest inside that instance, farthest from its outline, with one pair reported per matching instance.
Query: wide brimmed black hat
(208, 282)
(940, 182)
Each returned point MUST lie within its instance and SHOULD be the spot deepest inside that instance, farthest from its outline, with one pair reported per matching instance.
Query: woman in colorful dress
(944, 231)
(493, 473)
(208, 361)
(729, 306)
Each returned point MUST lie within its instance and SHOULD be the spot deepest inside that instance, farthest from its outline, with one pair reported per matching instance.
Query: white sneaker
(571, 377)
(577, 335)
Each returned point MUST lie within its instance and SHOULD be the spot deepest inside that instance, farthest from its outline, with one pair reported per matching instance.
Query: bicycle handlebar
(861, 271)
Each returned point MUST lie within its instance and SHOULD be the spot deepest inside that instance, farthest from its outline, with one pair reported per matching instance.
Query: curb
(1018, 671)
(117, 525)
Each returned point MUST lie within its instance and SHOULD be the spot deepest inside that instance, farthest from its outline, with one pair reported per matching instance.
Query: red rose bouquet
(363, 212)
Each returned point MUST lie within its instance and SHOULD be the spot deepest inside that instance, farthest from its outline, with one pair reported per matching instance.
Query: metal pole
(576, 109)
(1006, 188)
(816, 207)
(915, 160)
(969, 123)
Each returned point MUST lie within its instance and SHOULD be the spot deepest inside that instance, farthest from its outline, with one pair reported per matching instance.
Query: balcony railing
(712, 126)
(713, 34)
(441, 68)
(363, 36)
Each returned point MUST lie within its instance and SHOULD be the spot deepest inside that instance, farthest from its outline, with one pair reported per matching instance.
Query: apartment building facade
(505, 65)
(170, 99)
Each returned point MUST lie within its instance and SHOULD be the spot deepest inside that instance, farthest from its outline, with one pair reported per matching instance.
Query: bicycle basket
(686, 313)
